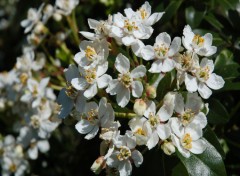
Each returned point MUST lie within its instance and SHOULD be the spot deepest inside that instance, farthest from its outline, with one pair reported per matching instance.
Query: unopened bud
(40, 29)
(151, 91)
(57, 17)
(168, 147)
(98, 165)
(139, 107)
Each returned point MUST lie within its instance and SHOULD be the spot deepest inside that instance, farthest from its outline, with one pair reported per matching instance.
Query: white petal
(125, 168)
(215, 82)
(188, 37)
(122, 63)
(113, 87)
(163, 38)
(198, 146)
(207, 39)
(66, 104)
(84, 126)
(91, 91)
(92, 133)
(151, 108)
(128, 40)
(137, 88)
(179, 103)
(176, 142)
(191, 83)
(155, 17)
(176, 126)
(80, 59)
(137, 48)
(194, 102)
(211, 50)
(175, 46)
(71, 72)
(138, 72)
(156, 66)
(43, 146)
(168, 65)
(153, 140)
(33, 152)
(194, 130)
(165, 112)
(93, 24)
(207, 62)
(123, 96)
(200, 119)
(148, 53)
(129, 13)
(137, 158)
(204, 91)
(80, 103)
(79, 83)
(103, 81)
(112, 161)
(163, 131)
(89, 35)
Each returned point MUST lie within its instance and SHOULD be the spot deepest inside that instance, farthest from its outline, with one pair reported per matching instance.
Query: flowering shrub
(161, 89)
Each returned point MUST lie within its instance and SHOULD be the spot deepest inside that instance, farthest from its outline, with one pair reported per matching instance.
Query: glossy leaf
(217, 112)
(208, 163)
(193, 17)
(210, 18)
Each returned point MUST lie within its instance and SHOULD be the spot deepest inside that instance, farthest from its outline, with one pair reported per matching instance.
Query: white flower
(189, 112)
(187, 139)
(164, 51)
(36, 92)
(126, 81)
(204, 79)
(42, 145)
(201, 45)
(128, 30)
(101, 29)
(144, 14)
(34, 16)
(92, 53)
(95, 117)
(159, 129)
(140, 129)
(69, 96)
(66, 6)
(124, 152)
(94, 78)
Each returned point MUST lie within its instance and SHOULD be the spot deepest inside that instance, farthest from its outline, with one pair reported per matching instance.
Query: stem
(73, 25)
(125, 115)
(163, 163)
(56, 87)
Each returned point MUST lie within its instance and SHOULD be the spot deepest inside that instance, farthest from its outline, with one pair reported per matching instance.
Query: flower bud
(139, 107)
(151, 91)
(98, 165)
(168, 147)
(57, 17)
(40, 29)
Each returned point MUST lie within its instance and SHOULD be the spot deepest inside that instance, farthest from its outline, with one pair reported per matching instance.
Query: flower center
(35, 90)
(125, 79)
(140, 131)
(71, 91)
(91, 75)
(35, 121)
(92, 116)
(143, 13)
(187, 116)
(187, 141)
(161, 50)
(198, 40)
(130, 26)
(90, 53)
(186, 61)
(23, 78)
(204, 73)
(124, 153)
(153, 120)
(12, 168)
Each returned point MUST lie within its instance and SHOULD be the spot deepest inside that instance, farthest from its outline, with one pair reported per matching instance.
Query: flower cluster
(174, 122)
(115, 75)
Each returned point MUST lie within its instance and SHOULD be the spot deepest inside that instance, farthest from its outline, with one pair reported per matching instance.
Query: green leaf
(210, 18)
(208, 163)
(179, 170)
(212, 138)
(217, 112)
(193, 17)
(170, 10)
(228, 69)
